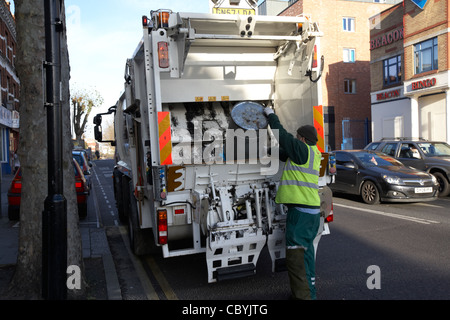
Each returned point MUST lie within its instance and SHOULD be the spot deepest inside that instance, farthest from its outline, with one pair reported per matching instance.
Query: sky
(102, 34)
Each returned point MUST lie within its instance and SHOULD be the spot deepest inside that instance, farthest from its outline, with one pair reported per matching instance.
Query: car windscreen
(376, 159)
(435, 149)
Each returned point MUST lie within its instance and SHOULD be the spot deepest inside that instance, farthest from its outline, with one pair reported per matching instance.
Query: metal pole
(54, 220)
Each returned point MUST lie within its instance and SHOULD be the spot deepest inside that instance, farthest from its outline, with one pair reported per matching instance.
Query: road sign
(420, 3)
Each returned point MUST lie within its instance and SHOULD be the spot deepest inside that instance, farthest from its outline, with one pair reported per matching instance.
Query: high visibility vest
(300, 183)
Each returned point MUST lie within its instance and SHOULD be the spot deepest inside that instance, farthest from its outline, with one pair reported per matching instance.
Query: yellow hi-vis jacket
(300, 183)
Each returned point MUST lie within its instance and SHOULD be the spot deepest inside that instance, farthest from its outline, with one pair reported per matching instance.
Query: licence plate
(240, 11)
(423, 190)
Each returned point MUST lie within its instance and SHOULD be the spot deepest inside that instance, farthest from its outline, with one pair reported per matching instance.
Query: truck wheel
(369, 193)
(141, 240)
(124, 196)
(118, 195)
(444, 187)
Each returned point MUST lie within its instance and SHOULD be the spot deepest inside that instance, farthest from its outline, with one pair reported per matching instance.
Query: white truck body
(174, 174)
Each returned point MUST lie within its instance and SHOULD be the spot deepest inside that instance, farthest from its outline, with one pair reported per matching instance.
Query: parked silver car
(428, 156)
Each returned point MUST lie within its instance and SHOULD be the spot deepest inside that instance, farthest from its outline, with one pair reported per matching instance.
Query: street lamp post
(54, 219)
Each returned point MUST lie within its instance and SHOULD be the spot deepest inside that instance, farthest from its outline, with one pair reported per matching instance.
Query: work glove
(268, 111)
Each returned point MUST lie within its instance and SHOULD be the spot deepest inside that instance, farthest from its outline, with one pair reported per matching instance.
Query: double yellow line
(142, 274)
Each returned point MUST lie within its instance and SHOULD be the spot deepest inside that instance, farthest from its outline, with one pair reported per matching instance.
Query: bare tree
(26, 282)
(82, 103)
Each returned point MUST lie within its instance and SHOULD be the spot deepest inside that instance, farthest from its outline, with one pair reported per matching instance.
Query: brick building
(10, 87)
(410, 72)
(345, 79)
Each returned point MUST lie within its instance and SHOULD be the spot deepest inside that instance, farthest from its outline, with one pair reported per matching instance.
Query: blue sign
(420, 3)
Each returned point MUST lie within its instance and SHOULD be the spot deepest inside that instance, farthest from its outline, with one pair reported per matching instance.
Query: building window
(348, 24)
(349, 55)
(350, 86)
(426, 55)
(392, 70)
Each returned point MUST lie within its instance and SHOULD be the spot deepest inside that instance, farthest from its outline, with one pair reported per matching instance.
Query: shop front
(430, 106)
(9, 136)
(391, 114)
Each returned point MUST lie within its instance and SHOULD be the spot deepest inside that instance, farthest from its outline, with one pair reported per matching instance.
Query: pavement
(94, 242)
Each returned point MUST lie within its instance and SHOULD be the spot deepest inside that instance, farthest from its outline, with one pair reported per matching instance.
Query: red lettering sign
(386, 39)
(388, 94)
(423, 84)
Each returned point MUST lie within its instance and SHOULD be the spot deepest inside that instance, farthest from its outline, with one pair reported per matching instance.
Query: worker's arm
(295, 149)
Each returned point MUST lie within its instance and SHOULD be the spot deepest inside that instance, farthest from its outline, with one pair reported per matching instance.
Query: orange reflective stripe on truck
(318, 124)
(165, 138)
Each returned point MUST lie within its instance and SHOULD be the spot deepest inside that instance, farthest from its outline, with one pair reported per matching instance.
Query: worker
(299, 191)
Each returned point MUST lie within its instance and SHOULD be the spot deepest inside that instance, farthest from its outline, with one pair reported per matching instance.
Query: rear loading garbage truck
(196, 165)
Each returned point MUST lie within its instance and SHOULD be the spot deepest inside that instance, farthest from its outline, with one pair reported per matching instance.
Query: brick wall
(10, 87)
(390, 24)
(424, 24)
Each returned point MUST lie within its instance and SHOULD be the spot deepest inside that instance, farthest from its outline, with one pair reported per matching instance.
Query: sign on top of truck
(233, 11)
(239, 7)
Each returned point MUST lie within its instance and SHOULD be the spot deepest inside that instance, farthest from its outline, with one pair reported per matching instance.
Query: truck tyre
(123, 188)
(118, 195)
(369, 193)
(141, 240)
(444, 187)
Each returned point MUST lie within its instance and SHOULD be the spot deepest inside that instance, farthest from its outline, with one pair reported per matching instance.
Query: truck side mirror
(98, 120)
(98, 133)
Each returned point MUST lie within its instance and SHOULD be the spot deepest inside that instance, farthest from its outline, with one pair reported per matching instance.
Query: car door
(390, 149)
(346, 175)
(411, 155)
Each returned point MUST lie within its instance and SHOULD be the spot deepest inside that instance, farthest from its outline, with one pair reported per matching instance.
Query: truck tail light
(330, 215)
(163, 54)
(162, 227)
(314, 61)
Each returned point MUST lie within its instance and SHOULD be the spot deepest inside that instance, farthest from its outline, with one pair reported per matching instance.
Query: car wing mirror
(350, 165)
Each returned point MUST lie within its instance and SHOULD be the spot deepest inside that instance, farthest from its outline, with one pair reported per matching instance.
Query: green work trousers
(301, 229)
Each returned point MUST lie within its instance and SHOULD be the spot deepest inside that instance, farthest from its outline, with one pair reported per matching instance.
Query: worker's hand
(268, 111)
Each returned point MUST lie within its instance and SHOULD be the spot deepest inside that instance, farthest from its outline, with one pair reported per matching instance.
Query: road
(386, 251)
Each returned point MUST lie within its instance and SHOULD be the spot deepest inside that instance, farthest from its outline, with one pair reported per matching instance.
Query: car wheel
(369, 193)
(13, 213)
(444, 187)
(82, 211)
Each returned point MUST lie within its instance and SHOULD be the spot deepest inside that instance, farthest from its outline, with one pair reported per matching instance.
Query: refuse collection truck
(196, 164)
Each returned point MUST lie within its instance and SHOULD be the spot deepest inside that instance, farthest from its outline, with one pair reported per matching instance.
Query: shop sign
(386, 39)
(423, 84)
(388, 94)
(5, 117)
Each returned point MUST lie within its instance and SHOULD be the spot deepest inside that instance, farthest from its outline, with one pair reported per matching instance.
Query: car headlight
(392, 179)
(433, 178)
